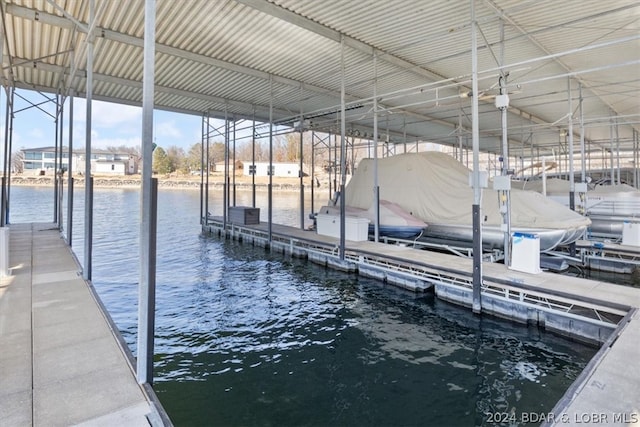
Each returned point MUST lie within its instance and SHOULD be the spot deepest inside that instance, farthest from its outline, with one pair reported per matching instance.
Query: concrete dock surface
(61, 361)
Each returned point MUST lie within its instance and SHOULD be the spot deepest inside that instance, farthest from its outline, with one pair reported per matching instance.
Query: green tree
(161, 162)
(192, 159)
(176, 158)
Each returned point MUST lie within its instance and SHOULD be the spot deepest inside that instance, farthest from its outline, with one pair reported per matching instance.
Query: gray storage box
(244, 215)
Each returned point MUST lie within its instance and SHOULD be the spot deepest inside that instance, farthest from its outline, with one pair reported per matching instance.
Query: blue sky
(112, 124)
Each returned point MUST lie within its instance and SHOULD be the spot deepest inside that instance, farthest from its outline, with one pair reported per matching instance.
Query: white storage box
(525, 253)
(631, 233)
(356, 229)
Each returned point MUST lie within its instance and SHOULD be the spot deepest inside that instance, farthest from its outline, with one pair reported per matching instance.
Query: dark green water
(284, 343)
(247, 338)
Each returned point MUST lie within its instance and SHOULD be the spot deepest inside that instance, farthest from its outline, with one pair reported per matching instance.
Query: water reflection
(275, 341)
(245, 337)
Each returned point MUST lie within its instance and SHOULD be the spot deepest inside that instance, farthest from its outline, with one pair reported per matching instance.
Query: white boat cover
(390, 214)
(559, 186)
(434, 187)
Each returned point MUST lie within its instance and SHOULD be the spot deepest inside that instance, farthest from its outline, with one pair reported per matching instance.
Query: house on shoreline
(41, 161)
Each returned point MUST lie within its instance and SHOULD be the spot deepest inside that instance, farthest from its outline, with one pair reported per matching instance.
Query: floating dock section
(595, 312)
(611, 257)
(62, 360)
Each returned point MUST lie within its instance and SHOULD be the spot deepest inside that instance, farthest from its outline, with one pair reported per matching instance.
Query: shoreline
(134, 182)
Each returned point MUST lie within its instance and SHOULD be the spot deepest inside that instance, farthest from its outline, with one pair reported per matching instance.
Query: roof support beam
(302, 22)
(27, 13)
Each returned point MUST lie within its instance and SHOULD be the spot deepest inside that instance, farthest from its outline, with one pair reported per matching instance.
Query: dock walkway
(62, 362)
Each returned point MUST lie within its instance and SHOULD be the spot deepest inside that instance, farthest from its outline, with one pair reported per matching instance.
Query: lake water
(246, 337)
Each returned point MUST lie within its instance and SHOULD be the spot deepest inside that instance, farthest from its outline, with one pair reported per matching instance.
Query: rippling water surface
(245, 337)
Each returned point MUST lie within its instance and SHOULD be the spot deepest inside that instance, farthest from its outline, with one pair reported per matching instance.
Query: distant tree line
(171, 159)
(286, 148)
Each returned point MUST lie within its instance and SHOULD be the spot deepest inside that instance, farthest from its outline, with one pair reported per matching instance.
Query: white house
(290, 170)
(41, 161)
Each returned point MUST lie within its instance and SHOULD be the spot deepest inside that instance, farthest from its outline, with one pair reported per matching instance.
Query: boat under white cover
(608, 206)
(434, 187)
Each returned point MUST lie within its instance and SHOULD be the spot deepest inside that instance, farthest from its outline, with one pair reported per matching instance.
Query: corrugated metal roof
(230, 56)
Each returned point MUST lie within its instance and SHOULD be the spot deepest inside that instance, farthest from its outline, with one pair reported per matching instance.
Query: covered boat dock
(506, 86)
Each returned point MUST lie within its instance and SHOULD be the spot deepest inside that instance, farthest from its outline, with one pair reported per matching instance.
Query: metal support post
(4, 233)
(376, 184)
(70, 175)
(226, 191)
(4, 251)
(253, 159)
(88, 217)
(56, 165)
(477, 191)
(8, 147)
(300, 171)
(502, 102)
(59, 201)
(203, 219)
(206, 185)
(343, 153)
(3, 197)
(234, 163)
(88, 179)
(148, 225)
(572, 184)
(270, 186)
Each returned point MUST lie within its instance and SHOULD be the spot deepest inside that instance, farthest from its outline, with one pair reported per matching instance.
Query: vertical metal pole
(9, 150)
(343, 152)
(634, 159)
(4, 199)
(330, 166)
(88, 190)
(617, 152)
(253, 158)
(226, 190)
(583, 158)
(4, 249)
(477, 191)
(270, 186)
(147, 286)
(460, 154)
(572, 184)
(505, 195)
(56, 149)
(4, 231)
(60, 168)
(70, 176)
(376, 183)
(5, 165)
(613, 177)
(87, 273)
(4, 159)
(300, 171)
(3, 194)
(313, 170)
(206, 185)
(203, 219)
(234, 161)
